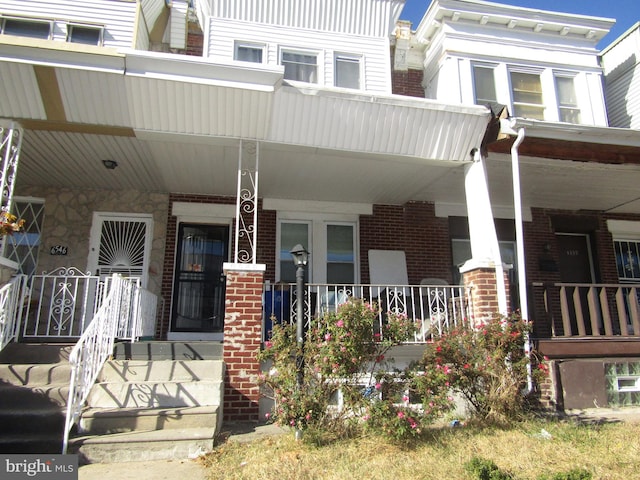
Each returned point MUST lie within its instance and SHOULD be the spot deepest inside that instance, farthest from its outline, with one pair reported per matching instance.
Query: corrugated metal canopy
(173, 130)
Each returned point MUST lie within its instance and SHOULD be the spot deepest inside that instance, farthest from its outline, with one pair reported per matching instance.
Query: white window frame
(494, 70)
(238, 44)
(317, 267)
(573, 108)
(527, 71)
(347, 57)
(98, 28)
(299, 51)
(26, 20)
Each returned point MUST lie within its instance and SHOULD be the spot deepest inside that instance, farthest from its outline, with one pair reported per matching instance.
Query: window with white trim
(526, 95)
(627, 260)
(300, 66)
(484, 85)
(347, 71)
(24, 246)
(248, 52)
(84, 34)
(26, 27)
(568, 110)
(332, 244)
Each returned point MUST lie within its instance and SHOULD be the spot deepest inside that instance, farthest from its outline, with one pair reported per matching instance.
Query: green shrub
(484, 469)
(485, 363)
(575, 474)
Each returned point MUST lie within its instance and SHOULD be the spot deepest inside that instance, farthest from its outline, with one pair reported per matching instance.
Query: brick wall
(416, 230)
(408, 83)
(195, 40)
(484, 292)
(242, 341)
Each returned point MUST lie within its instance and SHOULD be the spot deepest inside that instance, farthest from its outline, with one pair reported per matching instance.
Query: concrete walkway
(183, 469)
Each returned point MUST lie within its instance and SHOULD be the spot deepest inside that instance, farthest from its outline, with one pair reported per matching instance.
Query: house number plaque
(58, 250)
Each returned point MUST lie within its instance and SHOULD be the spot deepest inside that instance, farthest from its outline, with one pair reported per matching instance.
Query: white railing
(120, 314)
(433, 308)
(11, 304)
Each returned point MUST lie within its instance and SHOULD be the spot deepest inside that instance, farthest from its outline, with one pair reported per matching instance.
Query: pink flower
(267, 415)
(292, 422)
(405, 398)
(400, 414)
(378, 386)
(366, 417)
(268, 344)
(327, 337)
(340, 323)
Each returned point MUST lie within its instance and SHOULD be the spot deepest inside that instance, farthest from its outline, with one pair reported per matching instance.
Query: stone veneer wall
(69, 214)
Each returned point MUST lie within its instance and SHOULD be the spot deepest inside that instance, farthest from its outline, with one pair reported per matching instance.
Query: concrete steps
(34, 385)
(142, 408)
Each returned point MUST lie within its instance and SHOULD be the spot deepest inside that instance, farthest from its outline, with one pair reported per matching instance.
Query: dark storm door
(576, 266)
(199, 290)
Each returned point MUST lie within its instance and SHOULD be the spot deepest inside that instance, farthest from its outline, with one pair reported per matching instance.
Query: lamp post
(300, 258)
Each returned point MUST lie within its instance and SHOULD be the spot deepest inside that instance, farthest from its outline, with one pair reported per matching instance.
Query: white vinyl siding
(622, 84)
(357, 17)
(118, 17)
(374, 52)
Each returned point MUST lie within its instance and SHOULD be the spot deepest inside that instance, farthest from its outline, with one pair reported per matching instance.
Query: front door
(576, 266)
(199, 285)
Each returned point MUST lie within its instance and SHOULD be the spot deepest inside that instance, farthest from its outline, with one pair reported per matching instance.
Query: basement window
(623, 383)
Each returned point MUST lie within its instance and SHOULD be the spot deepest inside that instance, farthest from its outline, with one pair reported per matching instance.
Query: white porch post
(10, 144)
(246, 231)
(485, 250)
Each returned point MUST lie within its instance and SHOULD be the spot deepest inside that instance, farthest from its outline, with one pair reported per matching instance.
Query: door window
(199, 290)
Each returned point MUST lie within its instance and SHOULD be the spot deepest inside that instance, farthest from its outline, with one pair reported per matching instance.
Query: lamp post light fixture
(300, 258)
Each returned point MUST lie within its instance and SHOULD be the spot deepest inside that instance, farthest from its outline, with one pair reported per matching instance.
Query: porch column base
(479, 277)
(242, 340)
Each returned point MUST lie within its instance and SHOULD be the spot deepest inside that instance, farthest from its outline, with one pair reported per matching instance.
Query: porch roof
(173, 124)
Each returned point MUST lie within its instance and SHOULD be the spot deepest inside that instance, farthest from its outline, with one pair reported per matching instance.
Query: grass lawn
(607, 451)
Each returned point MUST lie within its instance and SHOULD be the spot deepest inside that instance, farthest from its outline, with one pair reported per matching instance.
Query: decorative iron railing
(11, 295)
(587, 310)
(120, 315)
(433, 308)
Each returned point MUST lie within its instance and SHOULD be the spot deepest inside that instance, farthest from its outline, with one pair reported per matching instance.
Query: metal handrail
(95, 345)
(11, 304)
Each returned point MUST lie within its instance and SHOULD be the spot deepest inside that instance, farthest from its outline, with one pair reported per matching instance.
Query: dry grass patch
(609, 452)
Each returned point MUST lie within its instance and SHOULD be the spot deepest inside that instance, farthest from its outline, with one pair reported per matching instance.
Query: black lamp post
(300, 258)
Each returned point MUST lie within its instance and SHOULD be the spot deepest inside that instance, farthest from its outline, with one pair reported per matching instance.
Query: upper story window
(526, 91)
(84, 34)
(248, 52)
(484, 84)
(299, 66)
(26, 28)
(347, 71)
(567, 100)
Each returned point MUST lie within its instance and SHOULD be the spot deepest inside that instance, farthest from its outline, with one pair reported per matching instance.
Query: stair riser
(38, 397)
(31, 423)
(104, 425)
(144, 451)
(30, 353)
(158, 371)
(152, 394)
(168, 351)
(54, 445)
(33, 375)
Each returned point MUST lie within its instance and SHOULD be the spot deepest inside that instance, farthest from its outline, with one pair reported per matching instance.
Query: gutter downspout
(506, 127)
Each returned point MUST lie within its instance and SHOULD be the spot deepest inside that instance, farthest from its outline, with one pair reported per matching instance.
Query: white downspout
(506, 127)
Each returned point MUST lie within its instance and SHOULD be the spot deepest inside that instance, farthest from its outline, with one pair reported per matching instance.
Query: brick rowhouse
(242, 341)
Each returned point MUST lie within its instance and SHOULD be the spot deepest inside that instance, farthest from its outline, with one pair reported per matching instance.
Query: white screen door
(120, 243)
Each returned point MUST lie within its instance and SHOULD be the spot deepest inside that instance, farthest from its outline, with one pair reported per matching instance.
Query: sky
(625, 12)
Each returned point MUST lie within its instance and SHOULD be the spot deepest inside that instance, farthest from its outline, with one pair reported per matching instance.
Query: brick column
(484, 291)
(242, 340)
